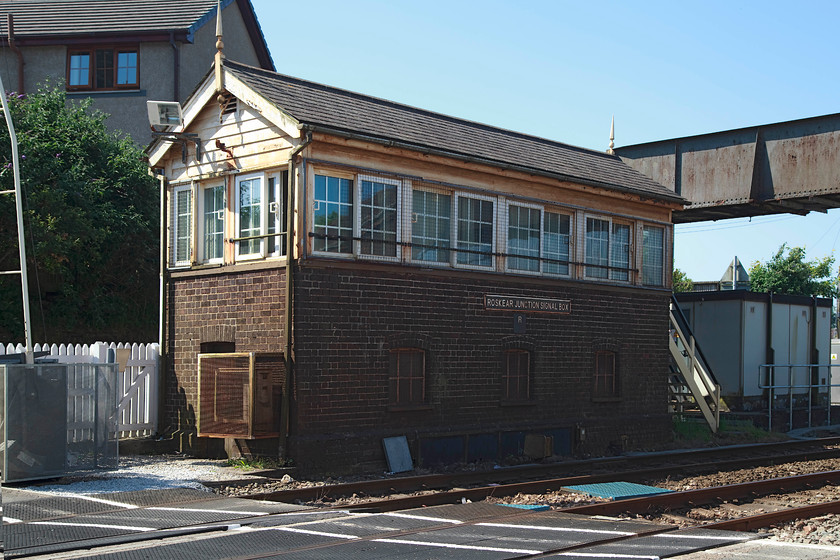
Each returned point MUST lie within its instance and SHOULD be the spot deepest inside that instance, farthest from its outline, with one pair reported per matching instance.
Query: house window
(605, 384)
(79, 70)
(103, 68)
(431, 227)
(524, 238)
(213, 223)
(378, 217)
(182, 226)
(620, 252)
(653, 255)
(475, 231)
(333, 214)
(516, 376)
(556, 237)
(407, 379)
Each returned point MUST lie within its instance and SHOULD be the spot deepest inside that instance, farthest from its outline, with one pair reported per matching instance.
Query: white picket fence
(138, 381)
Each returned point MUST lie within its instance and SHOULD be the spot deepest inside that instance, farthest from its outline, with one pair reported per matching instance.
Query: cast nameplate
(526, 304)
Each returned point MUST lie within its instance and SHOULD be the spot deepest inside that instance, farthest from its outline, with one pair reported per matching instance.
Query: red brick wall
(246, 308)
(348, 317)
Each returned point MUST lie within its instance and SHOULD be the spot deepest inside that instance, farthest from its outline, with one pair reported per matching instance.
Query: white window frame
(312, 202)
(508, 255)
(495, 231)
(201, 227)
(630, 251)
(177, 232)
(571, 256)
(275, 214)
(410, 231)
(610, 245)
(663, 278)
(260, 253)
(357, 218)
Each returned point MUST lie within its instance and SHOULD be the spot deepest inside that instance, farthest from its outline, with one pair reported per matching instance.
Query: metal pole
(24, 281)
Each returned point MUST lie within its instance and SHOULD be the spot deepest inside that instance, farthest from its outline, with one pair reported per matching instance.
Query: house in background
(122, 52)
(345, 269)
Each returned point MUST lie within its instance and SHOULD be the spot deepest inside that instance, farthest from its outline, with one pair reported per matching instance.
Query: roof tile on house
(65, 17)
(344, 111)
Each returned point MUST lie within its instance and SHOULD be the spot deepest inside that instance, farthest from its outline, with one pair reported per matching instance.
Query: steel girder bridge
(790, 167)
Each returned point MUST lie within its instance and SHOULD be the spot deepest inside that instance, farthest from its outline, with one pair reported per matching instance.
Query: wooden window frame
(513, 380)
(605, 379)
(397, 377)
(91, 51)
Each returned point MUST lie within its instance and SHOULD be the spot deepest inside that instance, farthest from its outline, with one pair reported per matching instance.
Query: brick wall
(246, 308)
(349, 316)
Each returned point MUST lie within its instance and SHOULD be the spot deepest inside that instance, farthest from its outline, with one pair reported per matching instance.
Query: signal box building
(343, 269)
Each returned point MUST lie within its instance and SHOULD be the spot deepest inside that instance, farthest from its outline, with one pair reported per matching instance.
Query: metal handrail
(771, 386)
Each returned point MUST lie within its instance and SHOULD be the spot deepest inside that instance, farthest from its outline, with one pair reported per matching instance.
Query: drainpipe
(15, 49)
(290, 253)
(176, 68)
(162, 358)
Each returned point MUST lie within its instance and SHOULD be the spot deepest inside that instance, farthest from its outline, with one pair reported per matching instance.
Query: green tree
(791, 274)
(91, 215)
(681, 282)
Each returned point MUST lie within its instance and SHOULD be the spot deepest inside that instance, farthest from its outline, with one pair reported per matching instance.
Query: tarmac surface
(187, 523)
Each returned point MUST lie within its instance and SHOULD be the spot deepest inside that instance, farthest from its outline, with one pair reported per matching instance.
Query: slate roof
(49, 21)
(346, 112)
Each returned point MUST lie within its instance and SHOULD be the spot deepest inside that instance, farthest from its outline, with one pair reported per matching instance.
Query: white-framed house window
(431, 226)
(181, 226)
(557, 241)
(333, 215)
(653, 255)
(378, 217)
(524, 231)
(475, 241)
(212, 223)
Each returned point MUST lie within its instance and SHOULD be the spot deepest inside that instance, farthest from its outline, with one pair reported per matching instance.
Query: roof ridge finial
(219, 43)
(612, 137)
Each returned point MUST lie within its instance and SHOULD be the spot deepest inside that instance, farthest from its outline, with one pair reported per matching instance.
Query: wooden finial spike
(612, 137)
(219, 43)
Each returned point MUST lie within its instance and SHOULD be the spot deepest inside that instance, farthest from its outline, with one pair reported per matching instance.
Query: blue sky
(561, 70)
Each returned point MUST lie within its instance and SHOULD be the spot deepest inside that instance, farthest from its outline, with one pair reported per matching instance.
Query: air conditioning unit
(239, 394)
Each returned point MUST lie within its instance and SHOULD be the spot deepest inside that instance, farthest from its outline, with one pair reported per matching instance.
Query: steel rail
(497, 487)
(702, 496)
(762, 520)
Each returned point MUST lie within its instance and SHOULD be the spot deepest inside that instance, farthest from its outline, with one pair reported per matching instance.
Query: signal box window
(407, 380)
(605, 386)
(516, 377)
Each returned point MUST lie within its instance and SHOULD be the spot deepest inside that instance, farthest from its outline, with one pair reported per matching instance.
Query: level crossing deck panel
(218, 527)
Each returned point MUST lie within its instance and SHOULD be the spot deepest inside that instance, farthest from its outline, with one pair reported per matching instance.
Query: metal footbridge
(790, 167)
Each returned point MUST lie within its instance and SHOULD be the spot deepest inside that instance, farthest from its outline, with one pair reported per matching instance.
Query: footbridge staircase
(692, 386)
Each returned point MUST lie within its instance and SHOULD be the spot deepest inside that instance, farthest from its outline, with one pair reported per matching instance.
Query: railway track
(449, 488)
(474, 486)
